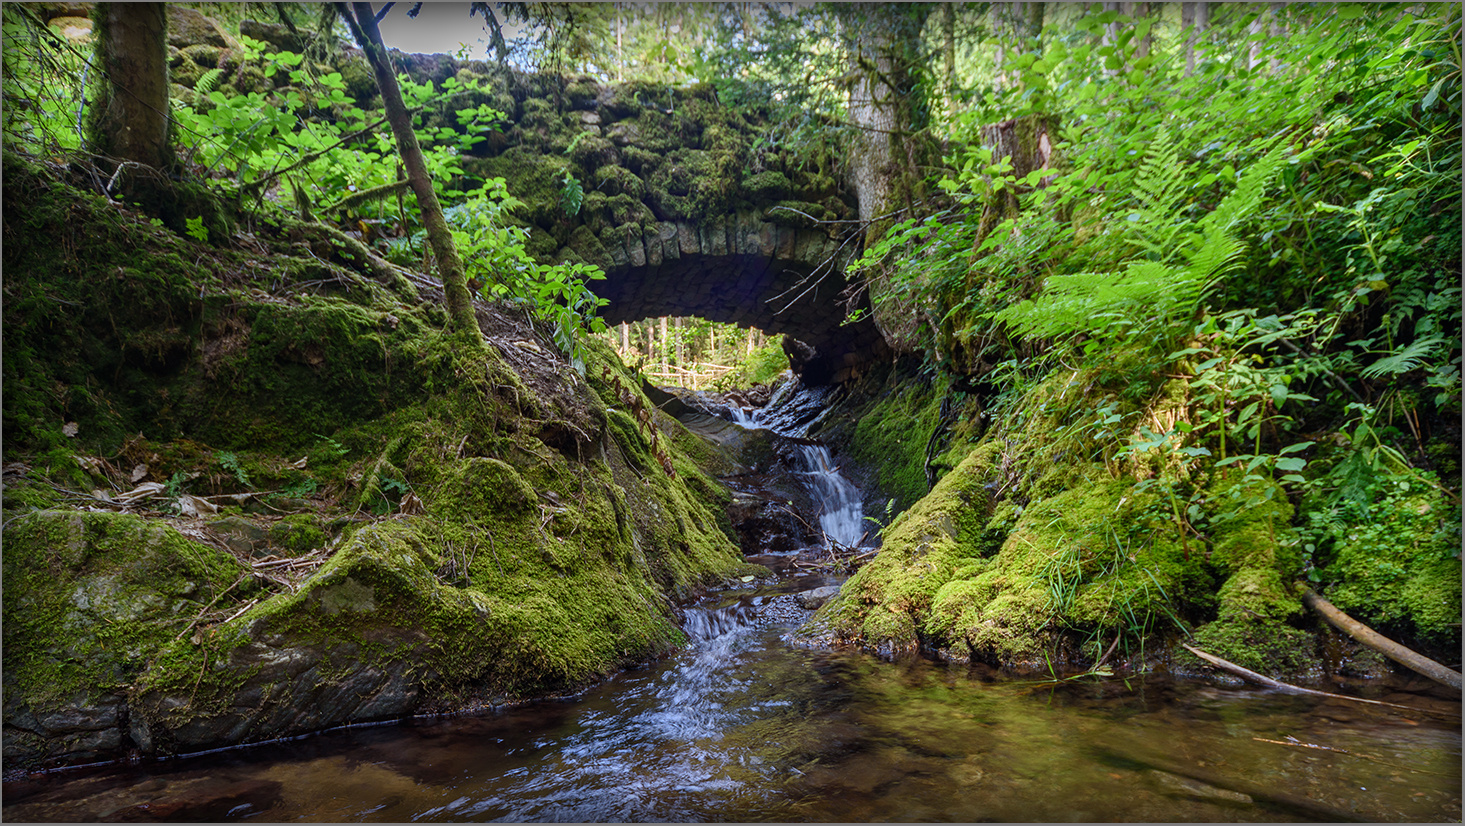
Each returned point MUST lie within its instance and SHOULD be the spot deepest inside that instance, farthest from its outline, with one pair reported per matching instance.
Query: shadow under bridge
(742, 269)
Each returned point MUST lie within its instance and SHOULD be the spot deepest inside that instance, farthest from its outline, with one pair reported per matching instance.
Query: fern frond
(1148, 290)
(208, 81)
(1158, 191)
(1401, 362)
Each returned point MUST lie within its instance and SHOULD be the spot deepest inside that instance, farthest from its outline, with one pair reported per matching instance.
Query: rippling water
(744, 727)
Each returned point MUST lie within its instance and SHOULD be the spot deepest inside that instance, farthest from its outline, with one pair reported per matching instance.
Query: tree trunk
(1254, 37)
(128, 118)
(883, 41)
(1194, 17)
(1276, 31)
(1136, 11)
(948, 52)
(1111, 34)
(455, 283)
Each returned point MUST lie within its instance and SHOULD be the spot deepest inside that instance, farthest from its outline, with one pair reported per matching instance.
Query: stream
(746, 725)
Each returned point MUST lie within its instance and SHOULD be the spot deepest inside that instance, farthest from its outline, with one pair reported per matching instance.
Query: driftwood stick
(1294, 803)
(1252, 676)
(1295, 743)
(1378, 642)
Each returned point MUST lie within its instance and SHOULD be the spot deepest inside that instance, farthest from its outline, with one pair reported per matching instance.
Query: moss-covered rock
(1399, 570)
(89, 600)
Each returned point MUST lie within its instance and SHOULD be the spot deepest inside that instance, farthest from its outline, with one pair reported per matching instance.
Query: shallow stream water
(743, 726)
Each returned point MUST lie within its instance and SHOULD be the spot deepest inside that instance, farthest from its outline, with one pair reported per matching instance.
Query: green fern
(208, 81)
(1153, 289)
(1410, 358)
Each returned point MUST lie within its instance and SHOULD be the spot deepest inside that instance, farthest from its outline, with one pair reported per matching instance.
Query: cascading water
(841, 512)
(841, 509)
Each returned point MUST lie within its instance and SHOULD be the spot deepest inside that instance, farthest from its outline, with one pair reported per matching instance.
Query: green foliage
(41, 78)
(572, 194)
(1150, 290)
(1396, 564)
(230, 461)
(197, 230)
(758, 367)
(495, 252)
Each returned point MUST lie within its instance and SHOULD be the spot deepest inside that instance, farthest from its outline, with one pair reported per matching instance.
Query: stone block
(717, 237)
(635, 250)
(767, 239)
(785, 240)
(813, 247)
(667, 233)
(618, 258)
(687, 239)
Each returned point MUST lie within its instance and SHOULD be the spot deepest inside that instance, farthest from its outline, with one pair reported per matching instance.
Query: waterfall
(841, 510)
(744, 419)
(691, 705)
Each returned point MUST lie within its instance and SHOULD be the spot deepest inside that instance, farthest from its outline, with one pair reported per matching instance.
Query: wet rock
(242, 535)
(275, 34)
(815, 597)
(188, 27)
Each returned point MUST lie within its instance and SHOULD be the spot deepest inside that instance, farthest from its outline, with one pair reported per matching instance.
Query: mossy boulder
(888, 602)
(89, 600)
(1256, 606)
(1399, 570)
(503, 529)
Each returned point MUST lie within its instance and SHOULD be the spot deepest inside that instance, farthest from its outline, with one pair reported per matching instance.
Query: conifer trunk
(455, 283)
(128, 118)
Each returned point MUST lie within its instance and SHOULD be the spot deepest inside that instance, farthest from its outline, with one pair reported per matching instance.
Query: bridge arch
(743, 269)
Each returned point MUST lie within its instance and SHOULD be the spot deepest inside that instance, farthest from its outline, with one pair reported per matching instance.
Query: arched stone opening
(743, 270)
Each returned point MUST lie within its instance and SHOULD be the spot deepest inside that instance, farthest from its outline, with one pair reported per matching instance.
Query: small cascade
(841, 511)
(690, 707)
(743, 418)
(792, 412)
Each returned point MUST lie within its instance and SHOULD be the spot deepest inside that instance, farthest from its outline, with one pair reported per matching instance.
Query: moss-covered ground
(349, 517)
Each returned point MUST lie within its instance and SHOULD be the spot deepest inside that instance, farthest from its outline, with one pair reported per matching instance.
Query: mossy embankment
(338, 512)
(1059, 531)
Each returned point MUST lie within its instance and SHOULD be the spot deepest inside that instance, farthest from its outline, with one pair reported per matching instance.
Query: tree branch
(1378, 642)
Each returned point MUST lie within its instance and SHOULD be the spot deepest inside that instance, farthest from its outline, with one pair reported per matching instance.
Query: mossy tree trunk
(884, 42)
(128, 118)
(887, 104)
(363, 25)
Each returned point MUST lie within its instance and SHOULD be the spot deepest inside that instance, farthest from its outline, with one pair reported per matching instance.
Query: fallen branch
(1378, 642)
(1252, 676)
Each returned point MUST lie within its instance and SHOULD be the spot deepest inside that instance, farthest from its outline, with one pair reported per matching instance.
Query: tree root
(1378, 642)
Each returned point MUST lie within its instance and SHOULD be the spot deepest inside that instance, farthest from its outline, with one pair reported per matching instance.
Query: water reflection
(743, 727)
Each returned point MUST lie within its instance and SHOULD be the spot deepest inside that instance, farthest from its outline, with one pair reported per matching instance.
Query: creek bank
(250, 493)
(1029, 553)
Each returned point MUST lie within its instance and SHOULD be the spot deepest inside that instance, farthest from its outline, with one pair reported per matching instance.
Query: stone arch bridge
(692, 208)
